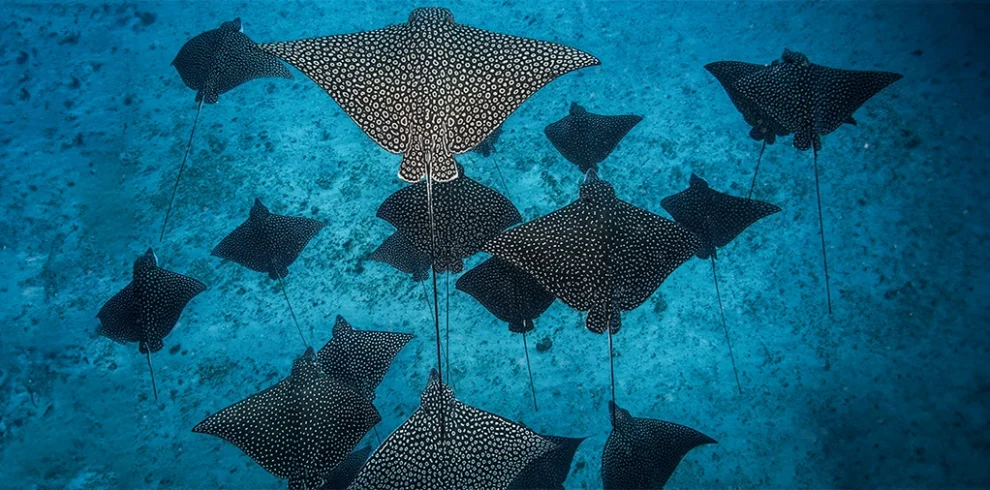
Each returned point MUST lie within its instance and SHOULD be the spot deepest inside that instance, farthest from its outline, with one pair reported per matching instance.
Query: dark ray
(716, 218)
(148, 308)
(643, 453)
(811, 101)
(301, 428)
(269, 243)
(345, 471)
(549, 472)
(511, 295)
(397, 251)
(447, 444)
(466, 214)
(598, 254)
(429, 88)
(213, 63)
(586, 139)
(360, 358)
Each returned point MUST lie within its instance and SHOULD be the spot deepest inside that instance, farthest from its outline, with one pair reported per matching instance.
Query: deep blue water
(891, 390)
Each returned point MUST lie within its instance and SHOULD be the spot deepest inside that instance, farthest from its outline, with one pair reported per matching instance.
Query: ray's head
(596, 190)
(430, 15)
(146, 262)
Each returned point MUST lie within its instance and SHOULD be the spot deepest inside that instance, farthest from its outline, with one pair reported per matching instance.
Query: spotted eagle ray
(586, 139)
(598, 254)
(360, 358)
(148, 308)
(398, 252)
(344, 473)
(548, 472)
(511, 295)
(811, 101)
(448, 444)
(643, 453)
(213, 63)
(299, 429)
(716, 218)
(430, 88)
(269, 243)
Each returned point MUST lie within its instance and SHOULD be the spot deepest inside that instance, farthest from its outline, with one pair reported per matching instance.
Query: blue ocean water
(891, 390)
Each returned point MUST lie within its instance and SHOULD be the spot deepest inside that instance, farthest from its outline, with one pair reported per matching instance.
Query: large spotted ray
(586, 139)
(598, 254)
(429, 88)
(148, 308)
(716, 218)
(301, 428)
(643, 453)
(213, 63)
(466, 214)
(548, 472)
(269, 243)
(448, 444)
(360, 358)
(397, 251)
(511, 295)
(811, 101)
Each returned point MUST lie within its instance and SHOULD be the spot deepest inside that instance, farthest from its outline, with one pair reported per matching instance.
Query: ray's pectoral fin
(603, 318)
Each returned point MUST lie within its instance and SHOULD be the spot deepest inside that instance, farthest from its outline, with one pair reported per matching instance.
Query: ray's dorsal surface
(466, 214)
(448, 444)
(549, 472)
(148, 308)
(360, 358)
(586, 139)
(398, 252)
(301, 428)
(643, 453)
(598, 254)
(429, 88)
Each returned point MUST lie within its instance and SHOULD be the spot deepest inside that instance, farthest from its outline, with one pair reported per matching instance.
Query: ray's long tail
(611, 371)
(291, 312)
(532, 386)
(757, 170)
(725, 327)
(821, 233)
(185, 156)
(154, 387)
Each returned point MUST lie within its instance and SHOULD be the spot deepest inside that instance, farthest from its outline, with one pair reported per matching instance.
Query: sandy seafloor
(891, 390)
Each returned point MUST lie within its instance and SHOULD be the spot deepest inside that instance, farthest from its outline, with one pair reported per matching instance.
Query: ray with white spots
(148, 308)
(213, 63)
(585, 138)
(716, 218)
(269, 243)
(448, 444)
(643, 453)
(301, 428)
(549, 472)
(429, 88)
(360, 358)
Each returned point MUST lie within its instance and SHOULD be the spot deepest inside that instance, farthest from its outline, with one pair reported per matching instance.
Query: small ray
(269, 243)
(511, 295)
(598, 254)
(360, 358)
(397, 251)
(447, 444)
(429, 88)
(549, 472)
(148, 308)
(716, 218)
(301, 428)
(810, 100)
(643, 453)
(345, 471)
(586, 139)
(213, 63)
(466, 215)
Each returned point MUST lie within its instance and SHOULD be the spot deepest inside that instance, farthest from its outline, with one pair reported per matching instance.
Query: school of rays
(430, 89)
